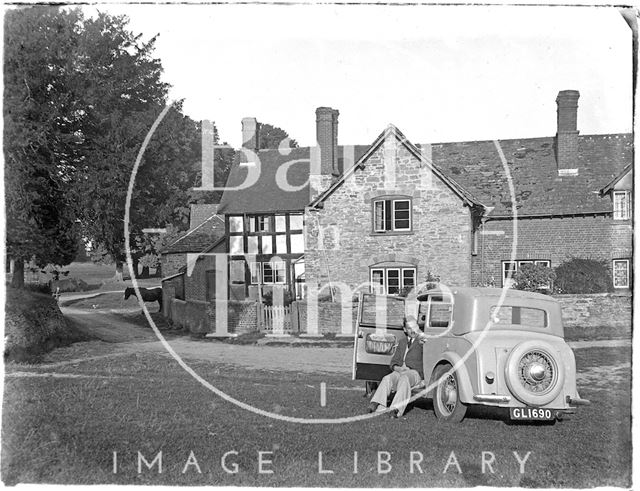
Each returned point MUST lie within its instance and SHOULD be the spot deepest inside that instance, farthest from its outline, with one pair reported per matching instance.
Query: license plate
(531, 413)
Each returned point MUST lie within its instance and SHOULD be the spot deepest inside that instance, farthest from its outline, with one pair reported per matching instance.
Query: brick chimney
(327, 138)
(250, 134)
(567, 135)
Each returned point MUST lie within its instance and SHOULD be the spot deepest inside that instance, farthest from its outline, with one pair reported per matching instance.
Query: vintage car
(483, 346)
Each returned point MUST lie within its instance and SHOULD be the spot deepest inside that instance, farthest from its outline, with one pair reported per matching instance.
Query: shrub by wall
(583, 276)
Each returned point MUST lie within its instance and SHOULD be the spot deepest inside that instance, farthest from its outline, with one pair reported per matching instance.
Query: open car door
(378, 330)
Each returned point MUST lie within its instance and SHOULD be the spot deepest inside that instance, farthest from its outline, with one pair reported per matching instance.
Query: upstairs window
(621, 205)
(390, 215)
(236, 224)
(260, 224)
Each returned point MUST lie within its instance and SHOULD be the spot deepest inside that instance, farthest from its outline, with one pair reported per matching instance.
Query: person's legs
(387, 385)
(404, 384)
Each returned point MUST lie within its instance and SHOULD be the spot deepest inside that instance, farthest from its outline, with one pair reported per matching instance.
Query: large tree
(123, 94)
(41, 123)
(80, 96)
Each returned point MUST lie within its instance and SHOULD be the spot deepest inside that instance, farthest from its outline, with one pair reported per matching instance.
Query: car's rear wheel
(446, 403)
(534, 375)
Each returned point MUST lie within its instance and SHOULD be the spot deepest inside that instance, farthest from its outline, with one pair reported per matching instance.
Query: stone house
(337, 219)
(380, 217)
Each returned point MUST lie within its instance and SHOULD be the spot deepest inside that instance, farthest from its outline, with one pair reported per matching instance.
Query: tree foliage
(80, 96)
(272, 136)
(41, 123)
(123, 95)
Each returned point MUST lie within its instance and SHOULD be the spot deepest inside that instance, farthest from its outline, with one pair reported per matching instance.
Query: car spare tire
(534, 373)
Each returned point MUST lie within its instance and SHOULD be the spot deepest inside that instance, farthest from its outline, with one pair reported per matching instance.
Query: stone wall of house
(171, 263)
(554, 239)
(611, 310)
(341, 245)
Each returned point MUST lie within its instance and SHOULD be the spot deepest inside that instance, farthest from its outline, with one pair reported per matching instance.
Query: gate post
(260, 314)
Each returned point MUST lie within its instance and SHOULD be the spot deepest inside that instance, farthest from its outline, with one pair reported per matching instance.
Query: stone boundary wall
(596, 310)
(602, 310)
(329, 318)
(242, 317)
(199, 317)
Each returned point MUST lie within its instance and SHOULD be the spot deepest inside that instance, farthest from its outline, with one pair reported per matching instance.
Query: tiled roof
(475, 168)
(611, 184)
(198, 238)
(266, 195)
(532, 165)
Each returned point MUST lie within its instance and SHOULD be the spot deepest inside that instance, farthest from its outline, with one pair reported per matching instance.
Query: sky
(439, 73)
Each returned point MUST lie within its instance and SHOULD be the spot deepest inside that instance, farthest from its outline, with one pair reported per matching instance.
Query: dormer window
(392, 215)
(621, 205)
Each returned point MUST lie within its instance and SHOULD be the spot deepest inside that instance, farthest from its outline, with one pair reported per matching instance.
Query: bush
(583, 276)
(534, 278)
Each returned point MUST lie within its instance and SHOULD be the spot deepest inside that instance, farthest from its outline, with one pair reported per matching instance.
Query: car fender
(465, 388)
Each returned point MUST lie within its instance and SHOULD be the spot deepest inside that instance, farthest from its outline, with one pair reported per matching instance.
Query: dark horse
(147, 294)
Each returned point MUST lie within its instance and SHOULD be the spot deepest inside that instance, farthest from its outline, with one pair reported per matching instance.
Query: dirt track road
(119, 336)
(125, 336)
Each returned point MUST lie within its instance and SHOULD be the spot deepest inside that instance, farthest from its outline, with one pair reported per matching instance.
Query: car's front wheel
(446, 403)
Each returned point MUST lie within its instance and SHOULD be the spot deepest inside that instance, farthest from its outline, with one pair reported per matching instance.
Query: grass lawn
(64, 429)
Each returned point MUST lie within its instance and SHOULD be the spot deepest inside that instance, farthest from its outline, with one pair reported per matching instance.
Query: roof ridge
(625, 135)
(190, 231)
(393, 130)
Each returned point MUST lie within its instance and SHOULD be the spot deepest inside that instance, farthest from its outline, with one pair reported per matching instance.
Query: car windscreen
(511, 315)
